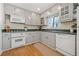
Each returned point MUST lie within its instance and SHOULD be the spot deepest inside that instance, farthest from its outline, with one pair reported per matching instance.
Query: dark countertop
(63, 31)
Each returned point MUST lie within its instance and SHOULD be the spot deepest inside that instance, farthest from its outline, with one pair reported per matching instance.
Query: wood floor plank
(36, 49)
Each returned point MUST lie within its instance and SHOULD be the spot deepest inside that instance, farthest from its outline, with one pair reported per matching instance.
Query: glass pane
(50, 21)
(56, 21)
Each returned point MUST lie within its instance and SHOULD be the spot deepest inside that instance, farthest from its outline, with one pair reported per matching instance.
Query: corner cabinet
(33, 20)
(32, 37)
(65, 43)
(6, 41)
(48, 39)
(66, 12)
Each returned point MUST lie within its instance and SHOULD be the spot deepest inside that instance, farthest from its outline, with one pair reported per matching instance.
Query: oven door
(18, 41)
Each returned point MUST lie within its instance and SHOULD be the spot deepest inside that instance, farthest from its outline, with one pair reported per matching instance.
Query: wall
(10, 9)
(55, 9)
(1, 22)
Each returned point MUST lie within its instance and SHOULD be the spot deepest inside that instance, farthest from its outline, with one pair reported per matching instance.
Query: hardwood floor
(37, 49)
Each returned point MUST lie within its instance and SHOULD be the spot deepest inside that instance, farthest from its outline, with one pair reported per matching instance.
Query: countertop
(63, 31)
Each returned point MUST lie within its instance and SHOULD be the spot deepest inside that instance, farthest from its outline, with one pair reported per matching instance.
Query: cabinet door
(44, 37)
(17, 19)
(35, 20)
(51, 40)
(37, 37)
(66, 13)
(66, 43)
(29, 38)
(6, 41)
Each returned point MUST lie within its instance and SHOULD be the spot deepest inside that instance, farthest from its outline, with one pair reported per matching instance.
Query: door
(6, 41)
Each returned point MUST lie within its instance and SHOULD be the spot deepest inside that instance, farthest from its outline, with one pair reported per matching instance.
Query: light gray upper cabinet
(35, 19)
(65, 43)
(17, 19)
(66, 12)
(6, 41)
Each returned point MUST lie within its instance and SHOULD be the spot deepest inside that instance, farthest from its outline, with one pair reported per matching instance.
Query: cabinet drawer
(17, 34)
(65, 36)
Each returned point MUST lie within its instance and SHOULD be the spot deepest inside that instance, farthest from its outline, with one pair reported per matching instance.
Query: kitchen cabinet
(48, 39)
(17, 19)
(35, 36)
(35, 20)
(66, 12)
(65, 43)
(51, 40)
(44, 21)
(27, 38)
(6, 41)
(32, 37)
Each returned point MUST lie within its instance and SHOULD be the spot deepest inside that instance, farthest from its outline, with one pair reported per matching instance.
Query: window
(53, 21)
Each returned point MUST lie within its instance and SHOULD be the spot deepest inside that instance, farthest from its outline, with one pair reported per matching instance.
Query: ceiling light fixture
(38, 9)
(48, 12)
(17, 10)
(59, 7)
(33, 14)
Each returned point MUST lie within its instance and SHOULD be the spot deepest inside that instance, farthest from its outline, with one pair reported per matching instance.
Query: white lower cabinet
(36, 36)
(32, 37)
(28, 39)
(48, 39)
(6, 41)
(65, 43)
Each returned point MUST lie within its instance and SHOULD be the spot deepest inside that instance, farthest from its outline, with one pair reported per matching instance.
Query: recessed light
(59, 7)
(38, 9)
(48, 12)
(33, 14)
(17, 10)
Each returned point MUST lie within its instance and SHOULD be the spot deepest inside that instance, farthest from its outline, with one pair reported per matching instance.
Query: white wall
(78, 31)
(1, 22)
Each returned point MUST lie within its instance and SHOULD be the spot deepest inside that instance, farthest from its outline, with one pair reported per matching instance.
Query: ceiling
(33, 6)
